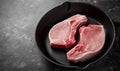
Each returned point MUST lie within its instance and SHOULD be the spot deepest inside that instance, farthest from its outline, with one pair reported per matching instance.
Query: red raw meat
(62, 35)
(92, 39)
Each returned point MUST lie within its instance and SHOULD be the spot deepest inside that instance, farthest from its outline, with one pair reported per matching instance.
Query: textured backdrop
(18, 21)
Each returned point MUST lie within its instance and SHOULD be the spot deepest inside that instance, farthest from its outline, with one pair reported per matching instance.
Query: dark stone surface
(18, 21)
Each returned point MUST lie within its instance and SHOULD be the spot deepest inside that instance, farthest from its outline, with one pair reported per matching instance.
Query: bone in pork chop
(92, 39)
(62, 35)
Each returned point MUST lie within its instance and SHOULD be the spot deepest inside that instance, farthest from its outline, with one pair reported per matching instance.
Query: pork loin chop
(62, 35)
(92, 39)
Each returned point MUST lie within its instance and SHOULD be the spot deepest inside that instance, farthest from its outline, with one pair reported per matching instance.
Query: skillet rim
(68, 66)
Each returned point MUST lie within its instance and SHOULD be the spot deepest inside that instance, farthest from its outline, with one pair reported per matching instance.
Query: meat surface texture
(91, 42)
(62, 35)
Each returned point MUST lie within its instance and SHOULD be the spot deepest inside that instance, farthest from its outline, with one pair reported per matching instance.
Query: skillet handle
(67, 6)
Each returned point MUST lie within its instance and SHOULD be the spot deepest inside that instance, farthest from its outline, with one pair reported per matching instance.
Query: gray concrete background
(18, 21)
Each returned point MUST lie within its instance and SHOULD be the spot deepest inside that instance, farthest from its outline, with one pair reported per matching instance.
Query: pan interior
(60, 54)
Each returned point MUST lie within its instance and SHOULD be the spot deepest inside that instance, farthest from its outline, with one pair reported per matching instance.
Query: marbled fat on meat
(91, 42)
(62, 35)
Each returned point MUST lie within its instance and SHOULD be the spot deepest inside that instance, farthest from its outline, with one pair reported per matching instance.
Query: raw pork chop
(62, 35)
(92, 39)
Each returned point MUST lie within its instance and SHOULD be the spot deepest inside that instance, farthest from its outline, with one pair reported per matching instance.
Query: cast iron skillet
(59, 13)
